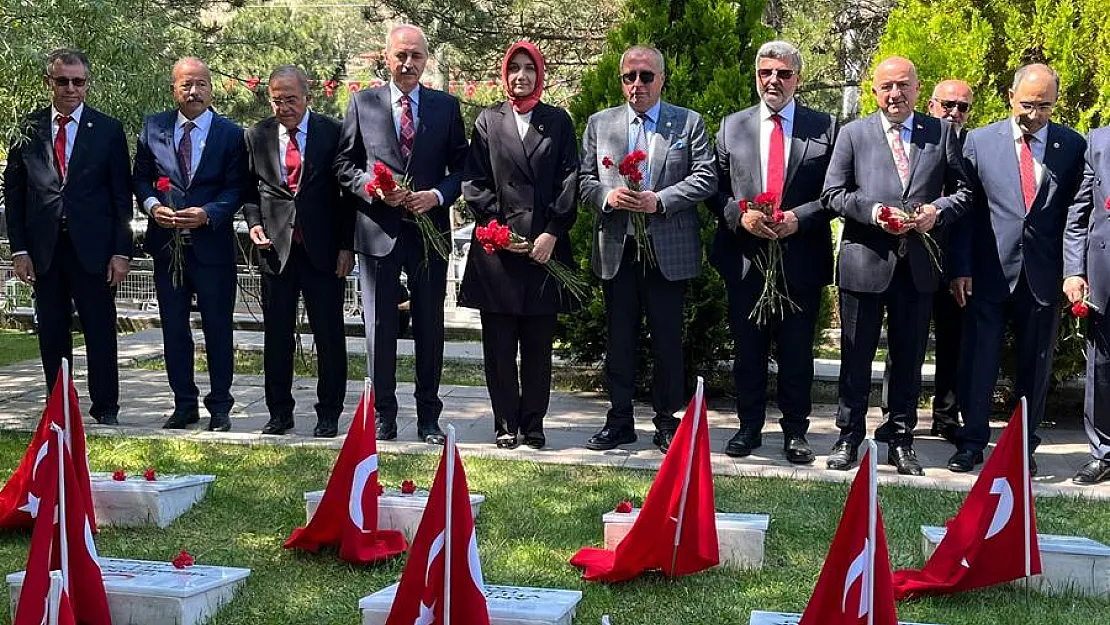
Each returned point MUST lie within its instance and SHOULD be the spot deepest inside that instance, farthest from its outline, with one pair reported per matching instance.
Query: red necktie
(1028, 173)
(293, 161)
(776, 160)
(408, 130)
(60, 144)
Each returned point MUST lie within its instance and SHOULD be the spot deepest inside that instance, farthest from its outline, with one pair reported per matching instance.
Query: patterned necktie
(1028, 172)
(60, 144)
(901, 163)
(408, 129)
(642, 144)
(185, 151)
(776, 157)
(293, 161)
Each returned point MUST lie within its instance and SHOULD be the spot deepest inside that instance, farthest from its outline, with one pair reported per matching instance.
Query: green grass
(535, 517)
(17, 346)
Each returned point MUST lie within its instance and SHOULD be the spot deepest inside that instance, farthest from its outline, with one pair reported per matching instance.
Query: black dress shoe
(905, 459)
(1093, 472)
(431, 435)
(506, 441)
(326, 428)
(386, 430)
(882, 433)
(278, 425)
(108, 418)
(963, 461)
(220, 422)
(181, 419)
(743, 443)
(842, 456)
(610, 438)
(947, 431)
(662, 439)
(797, 450)
(535, 442)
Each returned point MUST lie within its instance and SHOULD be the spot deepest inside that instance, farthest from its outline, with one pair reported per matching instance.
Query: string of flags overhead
(466, 88)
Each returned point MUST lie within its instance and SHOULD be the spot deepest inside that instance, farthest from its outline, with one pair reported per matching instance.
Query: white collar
(202, 122)
(907, 123)
(395, 94)
(302, 126)
(76, 114)
(652, 113)
(787, 112)
(1041, 135)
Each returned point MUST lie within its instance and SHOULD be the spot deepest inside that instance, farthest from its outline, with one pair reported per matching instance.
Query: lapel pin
(88, 124)
(540, 127)
(1055, 145)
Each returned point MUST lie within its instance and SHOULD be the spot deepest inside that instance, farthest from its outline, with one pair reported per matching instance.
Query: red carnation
(767, 198)
(624, 507)
(635, 177)
(884, 213)
(118, 475)
(1080, 310)
(777, 215)
(407, 487)
(607, 162)
(253, 83)
(895, 223)
(384, 177)
(743, 205)
(1108, 203)
(183, 560)
(148, 475)
(163, 184)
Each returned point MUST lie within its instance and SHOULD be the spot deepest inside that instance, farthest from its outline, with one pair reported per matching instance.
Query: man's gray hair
(1024, 70)
(400, 27)
(67, 56)
(291, 71)
(781, 50)
(648, 51)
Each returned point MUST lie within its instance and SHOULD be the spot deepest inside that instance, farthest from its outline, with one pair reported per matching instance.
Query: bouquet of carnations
(896, 219)
(383, 182)
(177, 242)
(495, 236)
(629, 168)
(774, 300)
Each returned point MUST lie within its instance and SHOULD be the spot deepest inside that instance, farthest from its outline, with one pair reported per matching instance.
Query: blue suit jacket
(1087, 233)
(998, 238)
(217, 185)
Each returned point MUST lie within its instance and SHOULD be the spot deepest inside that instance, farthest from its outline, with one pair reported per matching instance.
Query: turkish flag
(17, 496)
(854, 587)
(993, 538)
(348, 512)
(424, 591)
(676, 530)
(82, 578)
(34, 598)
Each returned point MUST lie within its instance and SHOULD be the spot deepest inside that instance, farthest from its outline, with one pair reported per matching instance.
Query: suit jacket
(217, 185)
(531, 184)
(320, 208)
(437, 160)
(999, 239)
(682, 175)
(807, 255)
(1088, 226)
(95, 197)
(862, 174)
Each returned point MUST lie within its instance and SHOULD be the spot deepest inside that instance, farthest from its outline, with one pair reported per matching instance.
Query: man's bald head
(952, 100)
(896, 87)
(192, 86)
(1033, 96)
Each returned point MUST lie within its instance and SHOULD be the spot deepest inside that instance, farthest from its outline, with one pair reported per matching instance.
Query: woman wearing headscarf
(522, 170)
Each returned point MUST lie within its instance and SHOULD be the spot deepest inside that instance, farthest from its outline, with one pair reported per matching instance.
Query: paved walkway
(572, 418)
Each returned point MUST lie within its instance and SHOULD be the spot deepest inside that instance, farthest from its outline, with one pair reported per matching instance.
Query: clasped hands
(624, 198)
(922, 220)
(192, 217)
(413, 201)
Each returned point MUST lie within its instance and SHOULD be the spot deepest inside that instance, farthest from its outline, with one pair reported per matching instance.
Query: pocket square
(678, 145)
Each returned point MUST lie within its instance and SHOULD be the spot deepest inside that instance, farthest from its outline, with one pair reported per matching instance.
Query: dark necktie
(408, 128)
(1028, 173)
(185, 151)
(776, 160)
(60, 144)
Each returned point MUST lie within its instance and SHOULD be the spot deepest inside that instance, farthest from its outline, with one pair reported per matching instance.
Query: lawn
(536, 516)
(17, 346)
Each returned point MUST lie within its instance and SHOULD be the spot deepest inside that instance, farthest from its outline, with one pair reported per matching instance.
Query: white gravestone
(1068, 563)
(739, 536)
(396, 511)
(508, 605)
(142, 592)
(785, 618)
(137, 501)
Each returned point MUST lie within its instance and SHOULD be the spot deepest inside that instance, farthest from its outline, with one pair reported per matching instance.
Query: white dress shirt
(766, 127)
(283, 143)
(907, 136)
(523, 120)
(199, 136)
(1038, 146)
(395, 94)
(71, 129)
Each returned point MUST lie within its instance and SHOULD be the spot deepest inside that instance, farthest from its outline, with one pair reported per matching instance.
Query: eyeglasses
(287, 101)
(948, 105)
(646, 77)
(1043, 107)
(62, 81)
(783, 74)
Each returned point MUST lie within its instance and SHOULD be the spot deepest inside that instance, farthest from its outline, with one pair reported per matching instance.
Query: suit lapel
(536, 130)
(1012, 166)
(41, 129)
(1052, 155)
(661, 142)
(165, 138)
(888, 161)
(271, 152)
(85, 130)
(798, 145)
(214, 132)
(310, 152)
(512, 141)
(387, 130)
(426, 107)
(917, 144)
(755, 162)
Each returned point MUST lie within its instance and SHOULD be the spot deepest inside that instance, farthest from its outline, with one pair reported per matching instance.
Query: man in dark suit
(905, 160)
(418, 133)
(780, 147)
(1087, 267)
(677, 176)
(1008, 253)
(302, 224)
(68, 199)
(203, 156)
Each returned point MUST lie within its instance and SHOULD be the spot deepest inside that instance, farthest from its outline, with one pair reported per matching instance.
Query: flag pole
(62, 530)
(1026, 484)
(872, 522)
(366, 386)
(449, 458)
(65, 402)
(699, 398)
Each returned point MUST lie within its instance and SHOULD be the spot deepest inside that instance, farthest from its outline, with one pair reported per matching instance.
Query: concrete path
(572, 418)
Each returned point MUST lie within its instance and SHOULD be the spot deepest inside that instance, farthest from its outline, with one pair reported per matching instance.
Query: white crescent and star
(363, 471)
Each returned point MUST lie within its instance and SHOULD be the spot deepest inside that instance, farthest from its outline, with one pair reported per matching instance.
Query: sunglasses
(783, 74)
(646, 77)
(962, 107)
(62, 81)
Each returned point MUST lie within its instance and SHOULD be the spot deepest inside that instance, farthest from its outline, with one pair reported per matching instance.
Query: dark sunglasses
(952, 104)
(645, 76)
(784, 74)
(62, 81)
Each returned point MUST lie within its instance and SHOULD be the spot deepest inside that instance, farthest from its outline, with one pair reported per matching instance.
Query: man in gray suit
(909, 161)
(677, 176)
(1025, 171)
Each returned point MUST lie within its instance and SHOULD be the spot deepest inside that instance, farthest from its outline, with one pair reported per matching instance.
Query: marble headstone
(785, 618)
(136, 501)
(508, 605)
(395, 510)
(740, 537)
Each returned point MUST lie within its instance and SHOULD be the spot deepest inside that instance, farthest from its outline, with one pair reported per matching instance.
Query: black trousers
(861, 316)
(427, 285)
(793, 339)
(636, 289)
(57, 290)
(323, 301)
(519, 401)
(1035, 327)
(1096, 405)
